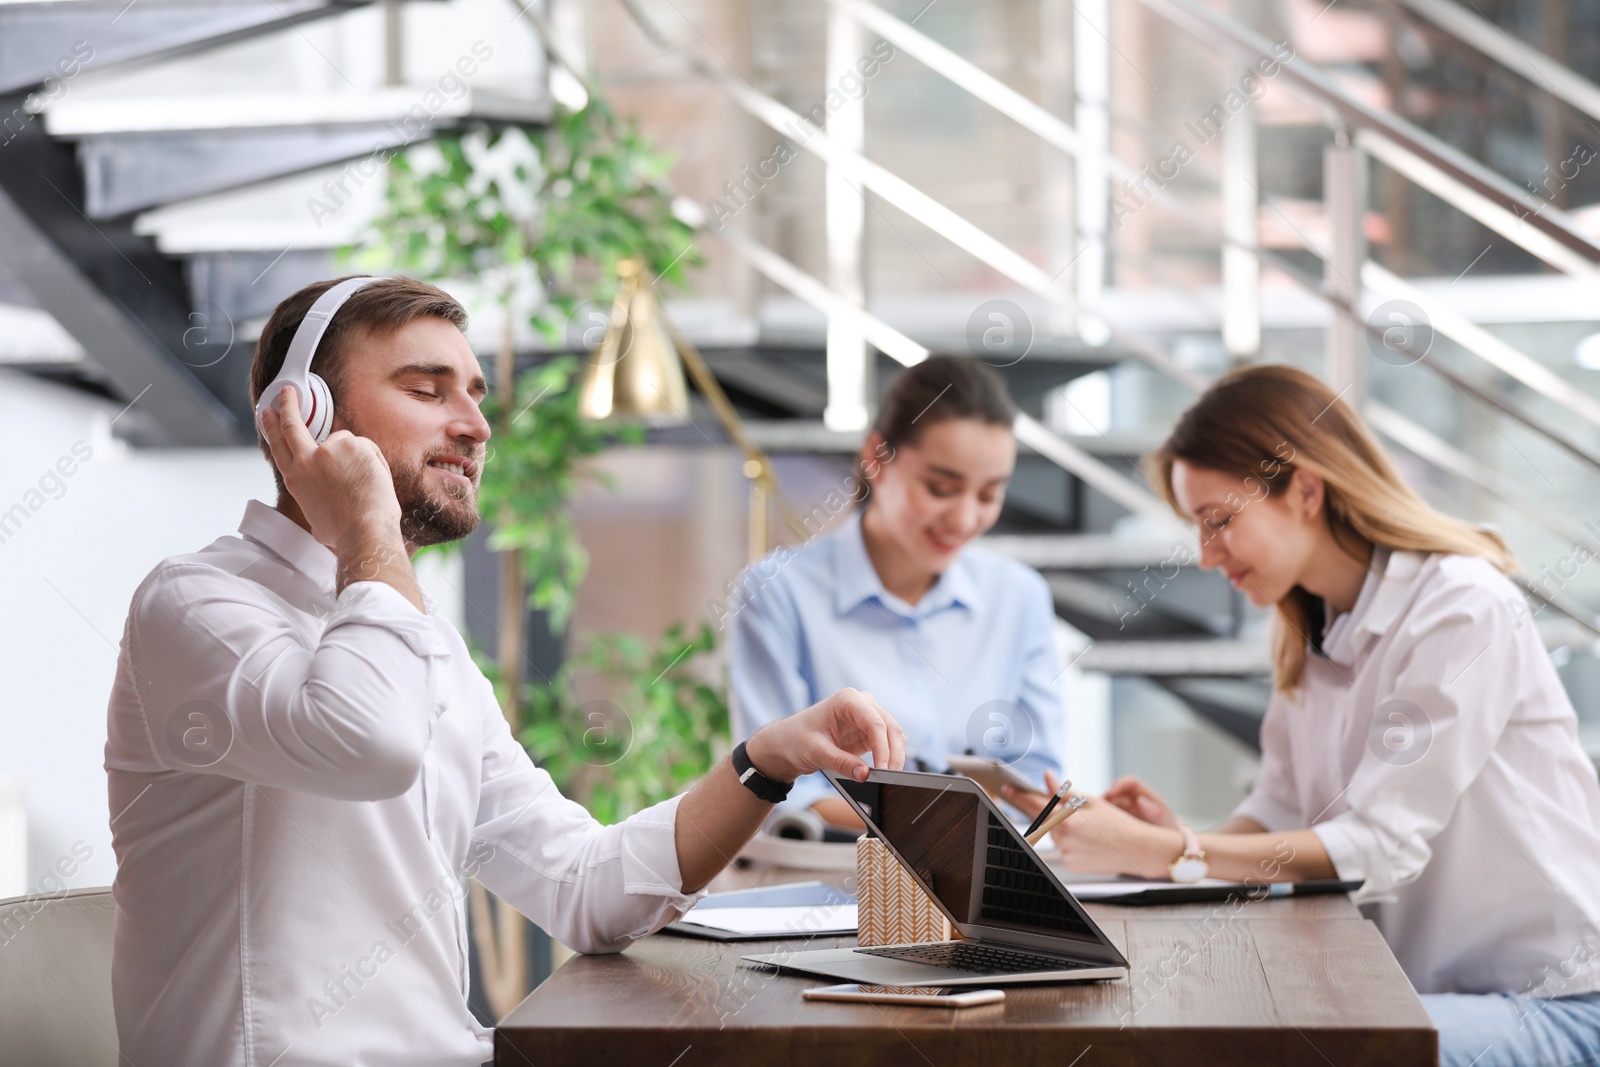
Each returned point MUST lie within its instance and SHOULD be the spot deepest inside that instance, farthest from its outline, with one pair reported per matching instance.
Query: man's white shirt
(299, 783)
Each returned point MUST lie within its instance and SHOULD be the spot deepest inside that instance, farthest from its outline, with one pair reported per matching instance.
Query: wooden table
(1274, 982)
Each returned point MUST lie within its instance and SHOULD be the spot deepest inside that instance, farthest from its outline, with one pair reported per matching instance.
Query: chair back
(55, 980)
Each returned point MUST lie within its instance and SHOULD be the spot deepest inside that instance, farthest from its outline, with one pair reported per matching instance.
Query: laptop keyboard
(1014, 890)
(970, 956)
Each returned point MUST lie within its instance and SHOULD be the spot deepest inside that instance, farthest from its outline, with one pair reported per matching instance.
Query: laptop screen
(975, 861)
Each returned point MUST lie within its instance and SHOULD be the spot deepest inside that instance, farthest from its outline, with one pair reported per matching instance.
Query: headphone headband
(297, 362)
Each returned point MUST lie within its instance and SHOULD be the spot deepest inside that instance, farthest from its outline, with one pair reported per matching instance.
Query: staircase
(120, 123)
(1371, 257)
(1136, 287)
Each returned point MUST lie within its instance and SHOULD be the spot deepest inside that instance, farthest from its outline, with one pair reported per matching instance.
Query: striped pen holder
(893, 909)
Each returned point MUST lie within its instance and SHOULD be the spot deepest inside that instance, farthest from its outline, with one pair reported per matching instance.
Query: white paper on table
(796, 920)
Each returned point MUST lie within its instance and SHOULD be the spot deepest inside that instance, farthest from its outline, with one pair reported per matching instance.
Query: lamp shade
(636, 372)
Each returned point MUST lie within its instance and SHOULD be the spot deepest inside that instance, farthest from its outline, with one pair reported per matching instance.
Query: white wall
(1089, 756)
(66, 577)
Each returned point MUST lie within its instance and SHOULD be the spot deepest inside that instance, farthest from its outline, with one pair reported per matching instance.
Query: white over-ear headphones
(316, 403)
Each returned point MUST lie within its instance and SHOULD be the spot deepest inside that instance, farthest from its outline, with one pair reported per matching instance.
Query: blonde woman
(1418, 737)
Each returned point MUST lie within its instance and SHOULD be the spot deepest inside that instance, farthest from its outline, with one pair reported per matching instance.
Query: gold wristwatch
(1191, 865)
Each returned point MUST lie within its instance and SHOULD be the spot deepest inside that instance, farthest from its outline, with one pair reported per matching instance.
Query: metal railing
(1413, 148)
(1477, 191)
(908, 352)
(1473, 29)
(1462, 182)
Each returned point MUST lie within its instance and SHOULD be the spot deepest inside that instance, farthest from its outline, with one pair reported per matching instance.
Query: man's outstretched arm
(719, 815)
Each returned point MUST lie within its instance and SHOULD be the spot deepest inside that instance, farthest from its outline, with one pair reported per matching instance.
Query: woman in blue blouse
(956, 640)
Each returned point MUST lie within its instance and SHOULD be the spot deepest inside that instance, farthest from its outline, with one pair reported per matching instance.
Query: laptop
(1019, 923)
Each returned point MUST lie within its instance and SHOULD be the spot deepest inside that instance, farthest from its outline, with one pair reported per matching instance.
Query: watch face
(1189, 869)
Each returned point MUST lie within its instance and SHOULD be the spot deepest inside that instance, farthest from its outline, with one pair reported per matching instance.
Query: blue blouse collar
(856, 580)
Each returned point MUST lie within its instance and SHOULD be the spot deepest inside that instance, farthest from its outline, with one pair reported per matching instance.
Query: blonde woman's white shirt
(1435, 754)
(300, 780)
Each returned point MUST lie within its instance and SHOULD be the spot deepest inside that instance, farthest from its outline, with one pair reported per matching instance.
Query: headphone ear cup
(319, 417)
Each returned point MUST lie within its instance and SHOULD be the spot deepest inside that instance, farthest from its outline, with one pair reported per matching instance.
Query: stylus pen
(1038, 820)
(1057, 819)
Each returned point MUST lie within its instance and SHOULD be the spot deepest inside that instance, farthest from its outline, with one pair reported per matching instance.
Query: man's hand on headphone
(344, 486)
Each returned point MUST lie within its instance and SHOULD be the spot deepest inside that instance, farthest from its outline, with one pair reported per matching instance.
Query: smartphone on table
(914, 995)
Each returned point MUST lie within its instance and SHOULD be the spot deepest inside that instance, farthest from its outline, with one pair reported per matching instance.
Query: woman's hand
(1142, 802)
(1028, 801)
(1102, 838)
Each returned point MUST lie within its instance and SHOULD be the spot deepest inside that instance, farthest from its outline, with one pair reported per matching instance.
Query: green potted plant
(543, 217)
(661, 728)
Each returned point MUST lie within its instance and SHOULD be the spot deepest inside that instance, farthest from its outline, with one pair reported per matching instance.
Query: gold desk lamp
(637, 373)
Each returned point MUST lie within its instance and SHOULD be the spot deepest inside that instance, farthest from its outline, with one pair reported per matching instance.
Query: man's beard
(430, 517)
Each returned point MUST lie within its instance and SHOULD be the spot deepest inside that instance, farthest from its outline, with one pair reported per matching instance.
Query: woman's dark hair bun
(940, 388)
(937, 389)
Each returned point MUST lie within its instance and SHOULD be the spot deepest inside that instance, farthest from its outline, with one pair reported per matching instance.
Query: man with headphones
(302, 753)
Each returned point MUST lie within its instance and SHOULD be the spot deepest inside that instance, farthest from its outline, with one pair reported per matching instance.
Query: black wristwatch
(771, 791)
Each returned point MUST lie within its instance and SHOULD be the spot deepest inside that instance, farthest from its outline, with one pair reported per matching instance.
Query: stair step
(37, 38)
(30, 337)
(1076, 552)
(1222, 657)
(804, 436)
(1233, 705)
(244, 112)
(1202, 657)
(142, 153)
(1106, 611)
